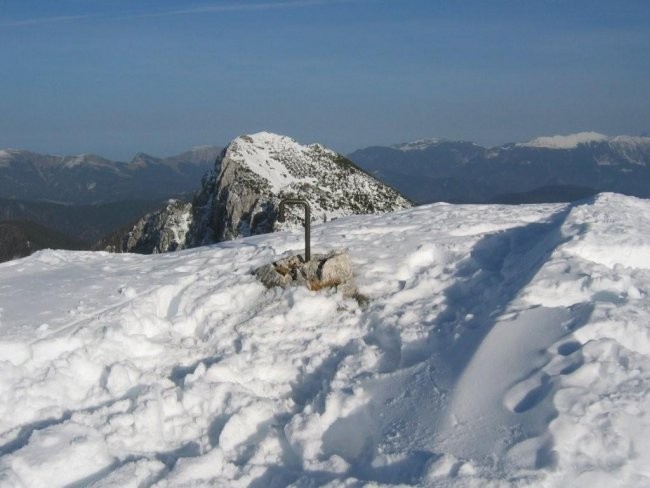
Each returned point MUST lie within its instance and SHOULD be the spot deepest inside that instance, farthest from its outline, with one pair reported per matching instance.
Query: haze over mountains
(91, 179)
(545, 169)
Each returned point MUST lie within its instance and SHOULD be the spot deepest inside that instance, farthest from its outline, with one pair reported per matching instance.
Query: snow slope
(417, 145)
(572, 141)
(500, 346)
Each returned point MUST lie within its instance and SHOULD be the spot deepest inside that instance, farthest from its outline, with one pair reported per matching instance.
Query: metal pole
(281, 218)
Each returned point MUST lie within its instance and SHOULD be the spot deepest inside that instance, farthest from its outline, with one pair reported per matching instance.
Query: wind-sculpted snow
(499, 346)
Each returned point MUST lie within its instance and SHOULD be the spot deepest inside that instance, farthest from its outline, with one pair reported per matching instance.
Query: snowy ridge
(5, 156)
(500, 345)
(278, 159)
(89, 160)
(417, 145)
(572, 141)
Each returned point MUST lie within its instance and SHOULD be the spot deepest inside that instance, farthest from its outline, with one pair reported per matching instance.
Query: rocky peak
(254, 172)
(87, 160)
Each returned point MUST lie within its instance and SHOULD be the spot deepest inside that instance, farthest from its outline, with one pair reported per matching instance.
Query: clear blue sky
(118, 76)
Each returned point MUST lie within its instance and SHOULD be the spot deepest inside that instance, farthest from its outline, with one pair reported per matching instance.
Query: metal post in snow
(281, 218)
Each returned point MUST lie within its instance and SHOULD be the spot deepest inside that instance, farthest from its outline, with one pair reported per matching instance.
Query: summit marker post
(281, 218)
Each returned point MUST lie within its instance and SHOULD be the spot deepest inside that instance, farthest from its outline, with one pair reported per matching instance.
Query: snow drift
(500, 346)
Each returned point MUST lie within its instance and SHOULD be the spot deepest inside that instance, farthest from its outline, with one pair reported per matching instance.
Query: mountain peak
(204, 147)
(278, 159)
(85, 159)
(418, 145)
(570, 141)
(258, 170)
(264, 137)
(141, 160)
(143, 155)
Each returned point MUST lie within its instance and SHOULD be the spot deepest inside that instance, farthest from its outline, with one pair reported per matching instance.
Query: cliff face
(253, 173)
(160, 231)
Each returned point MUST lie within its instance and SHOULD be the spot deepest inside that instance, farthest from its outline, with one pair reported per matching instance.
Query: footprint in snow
(528, 393)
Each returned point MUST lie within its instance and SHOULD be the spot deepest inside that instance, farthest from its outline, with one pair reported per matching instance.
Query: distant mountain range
(89, 179)
(558, 168)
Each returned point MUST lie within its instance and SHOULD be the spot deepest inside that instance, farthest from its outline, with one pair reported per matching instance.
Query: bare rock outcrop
(332, 270)
(160, 231)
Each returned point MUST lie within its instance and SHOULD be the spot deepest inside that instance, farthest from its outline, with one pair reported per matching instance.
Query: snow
(631, 140)
(261, 153)
(499, 346)
(6, 156)
(570, 141)
(417, 145)
(72, 161)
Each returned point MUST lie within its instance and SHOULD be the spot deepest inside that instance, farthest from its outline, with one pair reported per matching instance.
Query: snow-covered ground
(499, 346)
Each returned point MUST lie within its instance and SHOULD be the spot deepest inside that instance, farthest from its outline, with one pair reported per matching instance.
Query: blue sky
(118, 76)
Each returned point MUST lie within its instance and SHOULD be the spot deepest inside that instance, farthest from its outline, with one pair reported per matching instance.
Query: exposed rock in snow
(332, 270)
(417, 145)
(88, 160)
(241, 196)
(160, 231)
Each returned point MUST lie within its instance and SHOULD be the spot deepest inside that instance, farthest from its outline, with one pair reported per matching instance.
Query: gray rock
(161, 231)
(332, 270)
